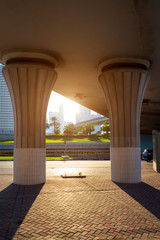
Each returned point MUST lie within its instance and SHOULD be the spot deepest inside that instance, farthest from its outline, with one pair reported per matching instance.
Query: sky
(70, 107)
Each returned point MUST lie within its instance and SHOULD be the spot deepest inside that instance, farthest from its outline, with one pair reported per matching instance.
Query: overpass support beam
(124, 82)
(30, 79)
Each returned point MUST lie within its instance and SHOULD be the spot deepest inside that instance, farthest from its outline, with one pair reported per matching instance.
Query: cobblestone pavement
(75, 208)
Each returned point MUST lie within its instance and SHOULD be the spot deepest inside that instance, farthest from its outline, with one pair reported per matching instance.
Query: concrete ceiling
(81, 34)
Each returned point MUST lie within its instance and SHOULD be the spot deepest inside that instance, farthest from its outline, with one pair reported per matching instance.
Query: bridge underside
(98, 53)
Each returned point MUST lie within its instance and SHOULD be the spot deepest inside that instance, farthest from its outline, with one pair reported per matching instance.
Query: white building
(85, 114)
(6, 111)
(60, 117)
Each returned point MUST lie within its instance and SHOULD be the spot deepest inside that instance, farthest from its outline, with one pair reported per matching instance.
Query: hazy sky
(70, 107)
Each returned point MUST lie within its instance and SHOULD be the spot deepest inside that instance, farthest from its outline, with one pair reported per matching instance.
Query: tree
(55, 123)
(68, 129)
(57, 130)
(88, 129)
(106, 128)
(77, 130)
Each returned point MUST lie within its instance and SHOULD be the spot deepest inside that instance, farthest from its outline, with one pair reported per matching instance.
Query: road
(57, 168)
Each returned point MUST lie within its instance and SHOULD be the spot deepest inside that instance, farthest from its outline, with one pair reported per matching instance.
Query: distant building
(60, 117)
(6, 111)
(85, 114)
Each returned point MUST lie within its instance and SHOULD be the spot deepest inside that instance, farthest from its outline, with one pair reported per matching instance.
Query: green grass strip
(7, 141)
(10, 158)
(5, 158)
(54, 158)
(72, 139)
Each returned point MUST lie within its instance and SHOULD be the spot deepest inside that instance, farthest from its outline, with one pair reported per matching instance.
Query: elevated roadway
(94, 121)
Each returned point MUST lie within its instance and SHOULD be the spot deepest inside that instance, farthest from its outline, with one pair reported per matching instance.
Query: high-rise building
(6, 111)
(60, 118)
(85, 114)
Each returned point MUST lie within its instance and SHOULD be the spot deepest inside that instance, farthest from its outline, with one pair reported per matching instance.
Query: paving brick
(91, 208)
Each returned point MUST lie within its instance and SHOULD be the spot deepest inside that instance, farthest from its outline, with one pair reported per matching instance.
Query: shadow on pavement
(146, 195)
(15, 202)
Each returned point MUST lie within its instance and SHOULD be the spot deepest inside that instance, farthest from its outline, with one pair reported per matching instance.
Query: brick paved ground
(89, 208)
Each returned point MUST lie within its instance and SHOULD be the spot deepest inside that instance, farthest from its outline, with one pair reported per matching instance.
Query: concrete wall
(6, 137)
(146, 141)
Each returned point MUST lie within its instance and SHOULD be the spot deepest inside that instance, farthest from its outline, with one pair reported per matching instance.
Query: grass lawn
(10, 158)
(7, 141)
(5, 158)
(54, 158)
(77, 140)
(72, 139)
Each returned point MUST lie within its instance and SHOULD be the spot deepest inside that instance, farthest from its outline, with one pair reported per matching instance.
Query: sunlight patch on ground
(66, 171)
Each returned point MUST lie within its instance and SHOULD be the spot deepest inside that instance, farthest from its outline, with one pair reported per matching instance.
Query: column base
(29, 166)
(126, 165)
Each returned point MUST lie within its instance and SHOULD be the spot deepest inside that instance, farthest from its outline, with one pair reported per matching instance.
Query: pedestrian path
(89, 208)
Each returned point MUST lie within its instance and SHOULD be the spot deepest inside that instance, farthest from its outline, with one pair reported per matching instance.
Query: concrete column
(156, 150)
(124, 82)
(30, 83)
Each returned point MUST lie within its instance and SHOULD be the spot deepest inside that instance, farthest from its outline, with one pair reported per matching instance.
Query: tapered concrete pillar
(156, 150)
(30, 83)
(124, 82)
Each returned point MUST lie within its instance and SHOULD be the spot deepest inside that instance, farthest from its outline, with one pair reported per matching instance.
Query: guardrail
(68, 147)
